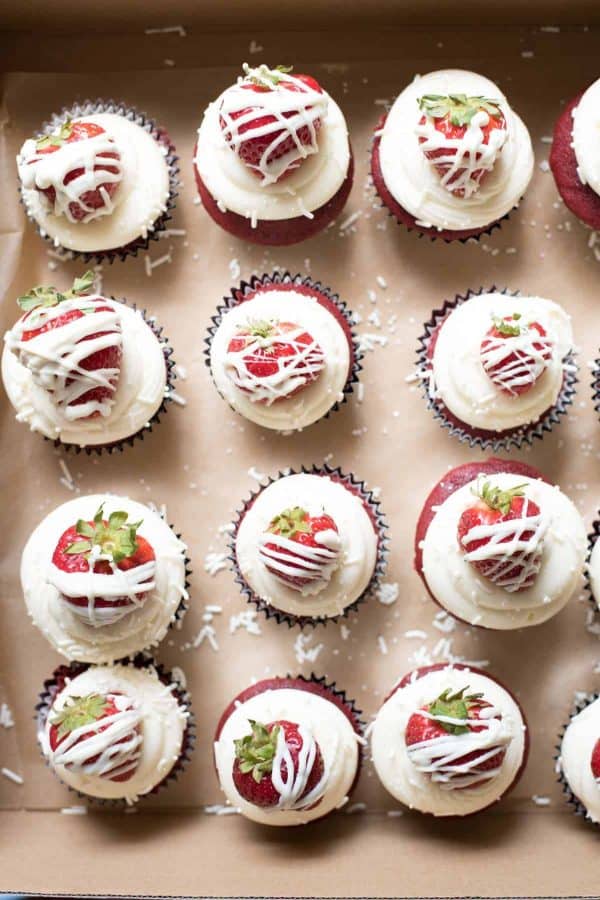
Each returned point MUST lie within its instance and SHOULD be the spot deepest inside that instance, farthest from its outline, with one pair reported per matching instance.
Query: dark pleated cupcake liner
(574, 802)
(592, 538)
(596, 385)
(373, 508)
(92, 107)
(488, 230)
(279, 279)
(119, 446)
(53, 686)
(503, 440)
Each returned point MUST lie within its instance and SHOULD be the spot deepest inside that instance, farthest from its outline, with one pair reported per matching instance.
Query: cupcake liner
(92, 107)
(574, 802)
(489, 440)
(119, 446)
(286, 281)
(591, 538)
(424, 232)
(53, 686)
(596, 385)
(373, 508)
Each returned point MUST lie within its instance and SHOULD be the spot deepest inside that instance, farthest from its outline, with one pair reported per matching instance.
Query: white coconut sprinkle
(388, 592)
(11, 776)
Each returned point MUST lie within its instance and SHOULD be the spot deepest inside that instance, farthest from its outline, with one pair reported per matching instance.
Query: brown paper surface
(198, 460)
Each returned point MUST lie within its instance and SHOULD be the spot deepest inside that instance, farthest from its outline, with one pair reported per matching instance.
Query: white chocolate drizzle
(314, 564)
(292, 785)
(531, 352)
(54, 357)
(49, 170)
(306, 105)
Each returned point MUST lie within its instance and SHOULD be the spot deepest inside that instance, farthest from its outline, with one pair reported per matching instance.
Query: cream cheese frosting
(160, 717)
(579, 740)
(314, 400)
(235, 188)
(315, 494)
(459, 588)
(139, 202)
(144, 627)
(415, 788)
(586, 133)
(331, 730)
(139, 394)
(415, 185)
(460, 380)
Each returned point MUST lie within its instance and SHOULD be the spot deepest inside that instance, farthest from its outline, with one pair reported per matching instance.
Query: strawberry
(515, 354)
(308, 549)
(509, 556)
(271, 148)
(78, 712)
(468, 710)
(595, 761)
(273, 360)
(70, 132)
(39, 305)
(107, 544)
(257, 766)
(466, 131)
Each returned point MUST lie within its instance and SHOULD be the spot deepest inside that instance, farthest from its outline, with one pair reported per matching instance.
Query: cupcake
(450, 740)
(574, 158)
(282, 352)
(287, 750)
(273, 163)
(86, 371)
(497, 545)
(114, 732)
(579, 759)
(497, 369)
(451, 158)
(99, 180)
(104, 577)
(309, 546)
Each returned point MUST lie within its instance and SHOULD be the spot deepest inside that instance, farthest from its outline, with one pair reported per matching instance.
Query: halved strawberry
(90, 199)
(260, 772)
(97, 711)
(101, 547)
(462, 136)
(515, 354)
(40, 317)
(499, 540)
(301, 549)
(595, 760)
(454, 714)
(272, 139)
(273, 360)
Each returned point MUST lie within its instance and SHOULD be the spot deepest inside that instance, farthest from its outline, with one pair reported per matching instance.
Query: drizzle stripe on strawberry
(301, 550)
(515, 354)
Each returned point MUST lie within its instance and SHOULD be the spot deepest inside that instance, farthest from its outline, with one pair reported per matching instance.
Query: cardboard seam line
(313, 896)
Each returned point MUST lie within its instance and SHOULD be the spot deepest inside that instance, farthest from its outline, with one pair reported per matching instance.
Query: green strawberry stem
(510, 326)
(496, 498)
(263, 76)
(56, 139)
(453, 706)
(47, 296)
(115, 538)
(255, 752)
(79, 711)
(290, 522)
(459, 108)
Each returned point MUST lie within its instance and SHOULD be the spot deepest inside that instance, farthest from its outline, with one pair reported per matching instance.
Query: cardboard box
(198, 460)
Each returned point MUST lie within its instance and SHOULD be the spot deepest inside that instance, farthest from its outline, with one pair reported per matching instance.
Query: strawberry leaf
(78, 712)
(290, 522)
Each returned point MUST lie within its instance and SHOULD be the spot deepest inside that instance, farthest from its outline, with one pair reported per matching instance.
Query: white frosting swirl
(71, 635)
(586, 128)
(315, 494)
(459, 588)
(579, 740)
(415, 788)
(314, 400)
(160, 715)
(460, 380)
(139, 394)
(413, 182)
(329, 727)
(142, 197)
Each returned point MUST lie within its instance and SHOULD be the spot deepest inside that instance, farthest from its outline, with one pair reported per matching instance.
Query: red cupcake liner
(580, 198)
(479, 437)
(91, 107)
(119, 446)
(284, 281)
(54, 685)
(572, 799)
(372, 507)
(403, 217)
(276, 232)
(315, 684)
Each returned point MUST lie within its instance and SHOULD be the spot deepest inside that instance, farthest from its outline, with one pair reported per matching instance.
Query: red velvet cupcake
(578, 759)
(498, 546)
(450, 740)
(273, 163)
(287, 750)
